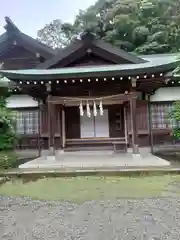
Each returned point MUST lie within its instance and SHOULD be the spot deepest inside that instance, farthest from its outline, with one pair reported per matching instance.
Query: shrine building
(89, 95)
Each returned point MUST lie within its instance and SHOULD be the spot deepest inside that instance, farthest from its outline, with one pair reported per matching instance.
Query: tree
(143, 26)
(57, 34)
(175, 116)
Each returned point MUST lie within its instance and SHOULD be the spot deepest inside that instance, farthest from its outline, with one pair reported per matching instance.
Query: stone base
(94, 161)
(50, 158)
(136, 155)
(47, 152)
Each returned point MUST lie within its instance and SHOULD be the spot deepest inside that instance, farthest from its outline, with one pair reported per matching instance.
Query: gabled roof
(14, 34)
(98, 47)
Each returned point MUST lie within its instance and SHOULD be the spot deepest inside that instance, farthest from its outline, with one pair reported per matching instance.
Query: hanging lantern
(101, 108)
(94, 109)
(88, 110)
(81, 109)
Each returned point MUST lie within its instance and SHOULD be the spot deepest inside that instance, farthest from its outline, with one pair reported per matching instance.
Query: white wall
(21, 101)
(166, 94)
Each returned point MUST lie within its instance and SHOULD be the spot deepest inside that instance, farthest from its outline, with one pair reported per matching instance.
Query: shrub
(8, 136)
(7, 160)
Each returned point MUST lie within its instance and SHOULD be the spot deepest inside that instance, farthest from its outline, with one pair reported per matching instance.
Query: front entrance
(95, 126)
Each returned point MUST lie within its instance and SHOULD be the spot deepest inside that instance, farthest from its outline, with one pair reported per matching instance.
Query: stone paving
(95, 159)
(126, 219)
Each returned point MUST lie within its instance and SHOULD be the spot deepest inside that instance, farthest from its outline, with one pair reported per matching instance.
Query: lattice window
(160, 116)
(19, 122)
(27, 122)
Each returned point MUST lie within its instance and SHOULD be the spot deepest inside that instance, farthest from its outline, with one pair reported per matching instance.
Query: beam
(107, 100)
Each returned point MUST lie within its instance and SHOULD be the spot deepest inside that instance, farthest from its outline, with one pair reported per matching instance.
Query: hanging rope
(81, 99)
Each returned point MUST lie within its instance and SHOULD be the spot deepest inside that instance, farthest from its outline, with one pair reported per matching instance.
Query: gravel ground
(147, 219)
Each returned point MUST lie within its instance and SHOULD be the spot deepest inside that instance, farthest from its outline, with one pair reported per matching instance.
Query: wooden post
(133, 114)
(63, 135)
(39, 126)
(150, 125)
(134, 125)
(125, 126)
(51, 125)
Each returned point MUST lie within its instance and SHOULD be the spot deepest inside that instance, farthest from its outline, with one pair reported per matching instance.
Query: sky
(31, 15)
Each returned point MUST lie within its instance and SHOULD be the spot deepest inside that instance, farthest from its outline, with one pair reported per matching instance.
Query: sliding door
(102, 125)
(95, 126)
(87, 126)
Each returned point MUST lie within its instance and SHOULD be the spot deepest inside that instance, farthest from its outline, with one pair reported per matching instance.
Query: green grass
(81, 189)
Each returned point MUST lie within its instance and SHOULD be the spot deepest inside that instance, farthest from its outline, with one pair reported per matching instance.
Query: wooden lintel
(109, 100)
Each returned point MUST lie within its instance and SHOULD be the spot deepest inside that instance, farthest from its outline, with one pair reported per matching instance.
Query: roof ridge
(12, 30)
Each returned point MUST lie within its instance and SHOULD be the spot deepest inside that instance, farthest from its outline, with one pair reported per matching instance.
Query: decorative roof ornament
(48, 87)
(10, 26)
(87, 36)
(14, 43)
(4, 81)
(89, 50)
(38, 55)
(1, 65)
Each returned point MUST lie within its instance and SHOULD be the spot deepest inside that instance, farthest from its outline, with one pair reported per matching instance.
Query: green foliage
(175, 115)
(57, 34)
(7, 131)
(143, 26)
(7, 159)
(7, 122)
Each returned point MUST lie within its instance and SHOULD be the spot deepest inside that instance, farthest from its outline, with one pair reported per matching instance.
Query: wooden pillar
(150, 125)
(125, 126)
(39, 125)
(63, 127)
(51, 125)
(133, 114)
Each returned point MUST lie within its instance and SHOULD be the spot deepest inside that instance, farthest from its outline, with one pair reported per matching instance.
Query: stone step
(88, 148)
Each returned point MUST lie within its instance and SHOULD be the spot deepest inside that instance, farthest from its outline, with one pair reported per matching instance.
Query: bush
(7, 160)
(8, 138)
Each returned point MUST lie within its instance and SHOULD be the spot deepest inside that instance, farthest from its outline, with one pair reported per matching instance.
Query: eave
(123, 70)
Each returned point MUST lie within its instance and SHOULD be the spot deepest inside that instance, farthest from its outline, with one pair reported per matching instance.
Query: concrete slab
(95, 160)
